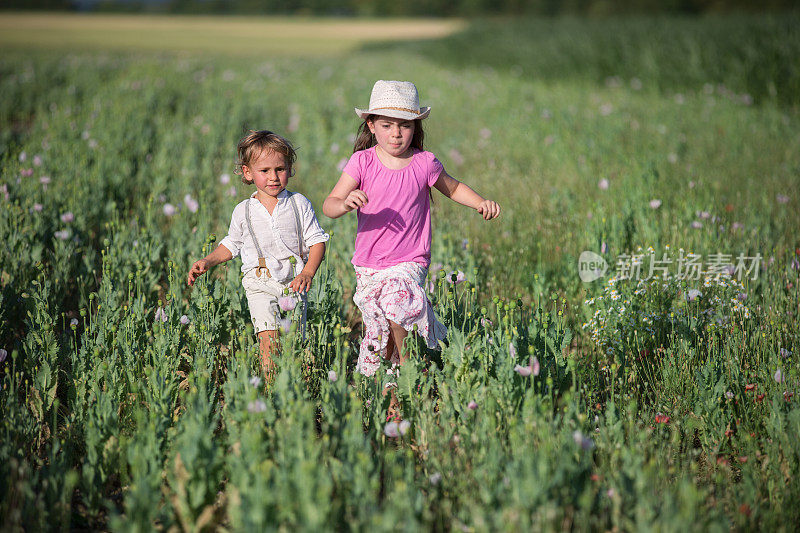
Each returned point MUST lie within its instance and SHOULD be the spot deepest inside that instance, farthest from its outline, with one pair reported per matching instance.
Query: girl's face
(393, 135)
(268, 172)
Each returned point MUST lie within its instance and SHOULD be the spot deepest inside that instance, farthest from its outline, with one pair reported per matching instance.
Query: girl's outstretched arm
(219, 255)
(344, 197)
(464, 195)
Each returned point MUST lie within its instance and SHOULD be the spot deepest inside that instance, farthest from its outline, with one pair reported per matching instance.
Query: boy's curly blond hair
(257, 142)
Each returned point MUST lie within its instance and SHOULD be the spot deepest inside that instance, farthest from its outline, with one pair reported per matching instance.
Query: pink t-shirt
(395, 225)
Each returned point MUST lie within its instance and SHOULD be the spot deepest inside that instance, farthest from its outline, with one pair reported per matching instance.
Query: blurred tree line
(432, 8)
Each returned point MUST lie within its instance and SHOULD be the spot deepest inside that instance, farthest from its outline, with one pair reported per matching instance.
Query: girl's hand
(302, 283)
(355, 199)
(488, 209)
(198, 269)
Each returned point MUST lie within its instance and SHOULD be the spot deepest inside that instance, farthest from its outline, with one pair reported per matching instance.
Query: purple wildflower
(472, 405)
(603, 184)
(62, 234)
(3, 355)
(184, 320)
(255, 381)
(160, 314)
(332, 377)
(655, 204)
(257, 406)
(287, 303)
(67, 217)
(391, 430)
(170, 209)
(191, 203)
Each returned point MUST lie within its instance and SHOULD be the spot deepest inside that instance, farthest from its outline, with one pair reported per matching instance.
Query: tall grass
(127, 399)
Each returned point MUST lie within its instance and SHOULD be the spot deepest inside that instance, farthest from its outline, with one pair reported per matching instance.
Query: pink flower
(232, 191)
(170, 209)
(604, 248)
(703, 214)
(37, 160)
(225, 178)
(44, 180)
(255, 382)
(3, 355)
(523, 371)
(586, 443)
(184, 320)
(285, 325)
(25, 172)
(603, 184)
(456, 277)
(456, 156)
(697, 224)
(472, 405)
(67, 217)
(257, 406)
(535, 366)
(779, 377)
(191, 203)
(62, 234)
(287, 303)
(512, 351)
(655, 204)
(392, 430)
(37, 207)
(332, 377)
(160, 314)
(22, 157)
(782, 198)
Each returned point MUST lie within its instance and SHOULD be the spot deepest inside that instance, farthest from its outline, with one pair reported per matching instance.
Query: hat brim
(394, 113)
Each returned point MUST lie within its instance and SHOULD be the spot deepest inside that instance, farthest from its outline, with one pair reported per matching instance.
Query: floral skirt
(395, 293)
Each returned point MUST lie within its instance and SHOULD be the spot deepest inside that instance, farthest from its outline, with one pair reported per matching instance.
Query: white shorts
(262, 299)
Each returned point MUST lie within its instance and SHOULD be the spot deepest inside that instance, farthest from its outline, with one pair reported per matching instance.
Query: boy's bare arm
(302, 282)
(200, 267)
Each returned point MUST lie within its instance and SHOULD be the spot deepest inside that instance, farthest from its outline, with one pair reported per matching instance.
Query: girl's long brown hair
(366, 139)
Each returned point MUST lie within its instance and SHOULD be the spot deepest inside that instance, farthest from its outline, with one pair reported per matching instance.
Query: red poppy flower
(760, 397)
(662, 419)
(750, 386)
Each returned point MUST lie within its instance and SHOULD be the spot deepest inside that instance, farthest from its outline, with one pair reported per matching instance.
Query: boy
(268, 230)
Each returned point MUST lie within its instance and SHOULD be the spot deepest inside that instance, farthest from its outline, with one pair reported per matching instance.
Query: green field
(655, 408)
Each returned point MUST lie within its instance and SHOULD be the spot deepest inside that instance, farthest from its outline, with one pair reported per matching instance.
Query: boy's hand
(302, 283)
(355, 199)
(198, 268)
(488, 209)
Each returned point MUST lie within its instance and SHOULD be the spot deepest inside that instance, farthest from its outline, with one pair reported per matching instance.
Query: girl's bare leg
(396, 338)
(268, 346)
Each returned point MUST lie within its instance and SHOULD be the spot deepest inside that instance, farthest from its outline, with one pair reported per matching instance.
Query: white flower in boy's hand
(488, 209)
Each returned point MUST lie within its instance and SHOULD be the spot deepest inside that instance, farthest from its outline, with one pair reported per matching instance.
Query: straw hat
(398, 99)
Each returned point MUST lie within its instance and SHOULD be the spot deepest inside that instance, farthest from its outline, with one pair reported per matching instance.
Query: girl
(388, 180)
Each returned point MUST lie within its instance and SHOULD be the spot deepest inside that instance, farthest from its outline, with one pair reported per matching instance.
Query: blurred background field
(610, 134)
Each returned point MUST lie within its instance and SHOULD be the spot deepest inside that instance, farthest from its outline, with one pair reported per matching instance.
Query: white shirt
(276, 234)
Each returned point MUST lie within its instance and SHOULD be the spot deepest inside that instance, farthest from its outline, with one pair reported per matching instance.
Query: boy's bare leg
(268, 346)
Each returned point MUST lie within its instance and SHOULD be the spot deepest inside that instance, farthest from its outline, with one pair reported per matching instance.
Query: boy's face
(268, 172)
(393, 135)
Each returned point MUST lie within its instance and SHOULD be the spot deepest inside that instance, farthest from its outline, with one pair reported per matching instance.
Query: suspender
(262, 262)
